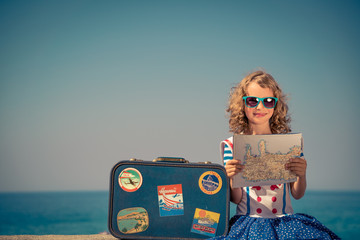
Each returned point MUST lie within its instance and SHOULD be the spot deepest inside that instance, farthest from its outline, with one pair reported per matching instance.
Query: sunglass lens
(269, 102)
(252, 101)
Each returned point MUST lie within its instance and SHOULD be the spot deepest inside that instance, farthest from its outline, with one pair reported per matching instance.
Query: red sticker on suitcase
(130, 179)
(171, 201)
(210, 182)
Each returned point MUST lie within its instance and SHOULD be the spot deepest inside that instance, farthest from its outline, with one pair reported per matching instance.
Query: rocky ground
(59, 237)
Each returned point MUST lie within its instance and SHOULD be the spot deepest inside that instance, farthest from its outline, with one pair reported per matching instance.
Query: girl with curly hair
(258, 106)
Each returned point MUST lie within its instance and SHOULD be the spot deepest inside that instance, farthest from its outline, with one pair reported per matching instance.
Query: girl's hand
(297, 166)
(233, 167)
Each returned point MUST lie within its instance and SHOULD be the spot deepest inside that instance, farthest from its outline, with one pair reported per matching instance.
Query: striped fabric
(227, 154)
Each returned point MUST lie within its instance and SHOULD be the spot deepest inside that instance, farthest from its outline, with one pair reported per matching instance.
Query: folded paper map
(264, 157)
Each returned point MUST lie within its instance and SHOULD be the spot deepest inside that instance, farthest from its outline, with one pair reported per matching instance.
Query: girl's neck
(259, 130)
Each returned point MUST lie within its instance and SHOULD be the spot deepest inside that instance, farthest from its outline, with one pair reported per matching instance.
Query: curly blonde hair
(238, 122)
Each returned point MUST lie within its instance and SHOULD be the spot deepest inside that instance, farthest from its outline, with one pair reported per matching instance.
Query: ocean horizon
(86, 212)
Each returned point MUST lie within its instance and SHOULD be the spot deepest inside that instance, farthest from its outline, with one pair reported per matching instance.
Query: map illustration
(266, 165)
(264, 157)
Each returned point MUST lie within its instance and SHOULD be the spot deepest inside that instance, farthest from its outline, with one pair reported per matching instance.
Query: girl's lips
(259, 114)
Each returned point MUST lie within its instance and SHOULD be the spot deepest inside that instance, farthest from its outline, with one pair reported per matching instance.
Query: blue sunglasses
(253, 102)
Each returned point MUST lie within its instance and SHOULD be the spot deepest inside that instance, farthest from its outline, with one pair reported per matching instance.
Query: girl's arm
(298, 166)
(235, 194)
(233, 167)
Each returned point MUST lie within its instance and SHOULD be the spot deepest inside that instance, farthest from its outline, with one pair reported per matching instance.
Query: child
(257, 106)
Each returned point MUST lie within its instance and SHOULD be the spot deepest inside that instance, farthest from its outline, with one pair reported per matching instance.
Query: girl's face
(260, 115)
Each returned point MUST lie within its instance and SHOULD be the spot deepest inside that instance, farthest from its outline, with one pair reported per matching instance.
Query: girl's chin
(259, 121)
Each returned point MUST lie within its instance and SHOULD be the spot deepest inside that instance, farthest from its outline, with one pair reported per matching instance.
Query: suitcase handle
(171, 159)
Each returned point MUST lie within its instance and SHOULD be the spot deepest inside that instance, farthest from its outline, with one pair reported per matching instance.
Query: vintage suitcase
(168, 198)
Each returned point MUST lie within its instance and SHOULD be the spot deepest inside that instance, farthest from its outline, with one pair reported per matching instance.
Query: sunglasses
(253, 102)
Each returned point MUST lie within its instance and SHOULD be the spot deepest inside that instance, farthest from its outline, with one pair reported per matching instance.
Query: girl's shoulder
(227, 143)
(230, 139)
(226, 148)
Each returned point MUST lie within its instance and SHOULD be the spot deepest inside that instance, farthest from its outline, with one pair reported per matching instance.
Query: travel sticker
(133, 220)
(130, 179)
(210, 182)
(171, 201)
(205, 222)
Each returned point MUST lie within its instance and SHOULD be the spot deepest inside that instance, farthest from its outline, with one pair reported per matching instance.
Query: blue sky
(85, 84)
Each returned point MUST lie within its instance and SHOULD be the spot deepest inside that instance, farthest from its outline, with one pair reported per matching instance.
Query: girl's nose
(260, 105)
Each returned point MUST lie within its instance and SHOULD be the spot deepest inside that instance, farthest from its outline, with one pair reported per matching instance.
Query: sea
(77, 213)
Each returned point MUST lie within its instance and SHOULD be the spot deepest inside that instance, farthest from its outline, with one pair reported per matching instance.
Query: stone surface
(59, 237)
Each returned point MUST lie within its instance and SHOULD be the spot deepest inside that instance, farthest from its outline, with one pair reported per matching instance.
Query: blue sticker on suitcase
(171, 201)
